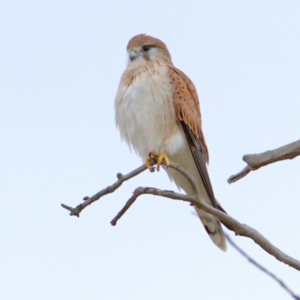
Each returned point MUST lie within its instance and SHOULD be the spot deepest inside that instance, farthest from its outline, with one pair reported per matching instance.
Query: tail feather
(213, 227)
(211, 224)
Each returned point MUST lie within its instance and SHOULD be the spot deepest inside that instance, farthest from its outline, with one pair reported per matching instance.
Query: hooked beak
(133, 54)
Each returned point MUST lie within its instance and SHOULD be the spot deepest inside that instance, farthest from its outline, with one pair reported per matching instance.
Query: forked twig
(108, 190)
(231, 223)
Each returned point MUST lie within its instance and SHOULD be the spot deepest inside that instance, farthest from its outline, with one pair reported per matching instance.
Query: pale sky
(61, 62)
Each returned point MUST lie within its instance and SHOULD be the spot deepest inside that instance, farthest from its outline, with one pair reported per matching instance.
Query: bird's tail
(213, 227)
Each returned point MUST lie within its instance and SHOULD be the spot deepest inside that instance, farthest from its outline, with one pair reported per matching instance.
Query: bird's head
(145, 47)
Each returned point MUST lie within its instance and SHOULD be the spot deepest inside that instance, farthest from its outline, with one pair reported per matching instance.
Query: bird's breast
(145, 113)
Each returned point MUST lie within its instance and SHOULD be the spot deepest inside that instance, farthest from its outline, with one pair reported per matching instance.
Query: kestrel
(158, 114)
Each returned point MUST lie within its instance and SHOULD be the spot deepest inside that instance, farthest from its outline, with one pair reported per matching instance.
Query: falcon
(157, 112)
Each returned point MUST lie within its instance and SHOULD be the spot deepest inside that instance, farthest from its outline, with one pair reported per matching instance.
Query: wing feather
(186, 103)
(187, 109)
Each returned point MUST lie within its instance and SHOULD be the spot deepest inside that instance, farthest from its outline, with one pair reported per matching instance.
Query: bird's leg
(159, 157)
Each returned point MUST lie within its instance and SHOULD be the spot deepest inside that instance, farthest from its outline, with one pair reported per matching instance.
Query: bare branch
(263, 269)
(108, 190)
(153, 191)
(228, 221)
(256, 161)
(236, 226)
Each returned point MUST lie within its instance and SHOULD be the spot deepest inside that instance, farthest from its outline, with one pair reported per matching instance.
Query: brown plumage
(186, 105)
(143, 39)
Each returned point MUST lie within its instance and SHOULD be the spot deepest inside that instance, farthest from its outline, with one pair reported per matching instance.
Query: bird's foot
(160, 158)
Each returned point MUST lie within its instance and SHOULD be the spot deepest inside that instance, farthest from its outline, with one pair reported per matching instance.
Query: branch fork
(256, 161)
(227, 220)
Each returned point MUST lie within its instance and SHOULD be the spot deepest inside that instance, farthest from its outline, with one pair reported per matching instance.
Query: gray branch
(108, 190)
(256, 161)
(228, 221)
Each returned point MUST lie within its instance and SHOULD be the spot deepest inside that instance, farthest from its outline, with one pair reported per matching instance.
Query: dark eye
(146, 48)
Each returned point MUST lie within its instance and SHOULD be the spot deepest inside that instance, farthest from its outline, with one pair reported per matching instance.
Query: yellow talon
(160, 157)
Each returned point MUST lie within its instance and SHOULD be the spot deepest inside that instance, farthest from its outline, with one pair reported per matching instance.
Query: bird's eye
(146, 48)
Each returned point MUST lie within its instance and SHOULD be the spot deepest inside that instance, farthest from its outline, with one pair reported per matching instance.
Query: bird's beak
(133, 54)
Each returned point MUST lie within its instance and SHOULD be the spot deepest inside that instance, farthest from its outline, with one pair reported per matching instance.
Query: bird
(157, 112)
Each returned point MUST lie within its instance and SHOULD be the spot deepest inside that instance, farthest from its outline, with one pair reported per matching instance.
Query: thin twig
(108, 190)
(263, 269)
(152, 191)
(131, 200)
(256, 161)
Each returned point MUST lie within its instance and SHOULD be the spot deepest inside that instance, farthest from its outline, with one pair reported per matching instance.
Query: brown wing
(187, 109)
